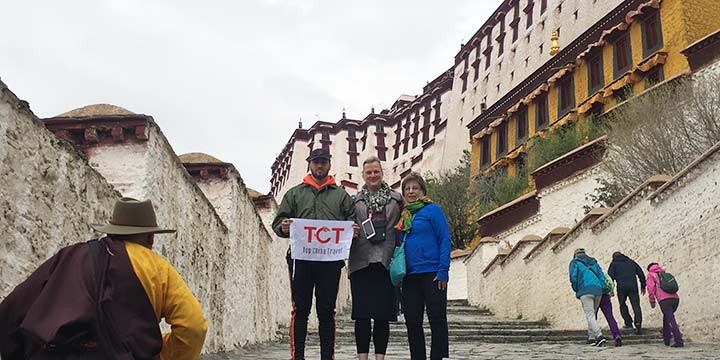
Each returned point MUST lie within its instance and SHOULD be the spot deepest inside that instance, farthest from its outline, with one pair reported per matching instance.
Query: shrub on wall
(449, 189)
(659, 132)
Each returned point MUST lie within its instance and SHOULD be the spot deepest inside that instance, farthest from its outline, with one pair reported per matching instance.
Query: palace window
(502, 139)
(380, 128)
(651, 34)
(566, 95)
(622, 55)
(542, 117)
(543, 6)
(529, 13)
(515, 21)
(485, 151)
(654, 76)
(595, 72)
(521, 124)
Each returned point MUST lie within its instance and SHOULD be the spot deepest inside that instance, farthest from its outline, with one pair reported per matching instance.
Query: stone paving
(476, 334)
(462, 351)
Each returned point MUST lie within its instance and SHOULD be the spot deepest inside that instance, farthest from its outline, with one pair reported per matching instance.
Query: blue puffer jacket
(427, 246)
(586, 276)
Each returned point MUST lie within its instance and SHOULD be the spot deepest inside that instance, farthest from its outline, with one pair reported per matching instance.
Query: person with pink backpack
(662, 286)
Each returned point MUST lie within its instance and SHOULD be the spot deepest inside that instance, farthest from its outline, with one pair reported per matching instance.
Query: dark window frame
(594, 62)
(622, 42)
(485, 148)
(649, 49)
(541, 102)
(501, 144)
(566, 94)
(657, 72)
(521, 122)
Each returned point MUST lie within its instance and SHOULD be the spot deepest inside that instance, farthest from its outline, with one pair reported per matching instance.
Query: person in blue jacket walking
(588, 280)
(427, 254)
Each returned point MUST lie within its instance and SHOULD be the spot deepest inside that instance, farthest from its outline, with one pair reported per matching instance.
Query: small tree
(449, 189)
(662, 131)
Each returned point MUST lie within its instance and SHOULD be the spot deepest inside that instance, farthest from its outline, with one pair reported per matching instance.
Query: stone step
(312, 339)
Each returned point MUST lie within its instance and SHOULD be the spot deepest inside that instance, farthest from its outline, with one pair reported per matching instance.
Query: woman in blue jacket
(427, 253)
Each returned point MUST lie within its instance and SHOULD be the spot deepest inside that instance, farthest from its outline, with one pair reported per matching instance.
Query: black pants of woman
(373, 297)
(419, 292)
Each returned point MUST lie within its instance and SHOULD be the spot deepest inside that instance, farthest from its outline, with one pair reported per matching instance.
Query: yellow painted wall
(701, 17)
(683, 22)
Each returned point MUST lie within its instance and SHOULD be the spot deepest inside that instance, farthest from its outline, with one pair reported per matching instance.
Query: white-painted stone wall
(199, 250)
(222, 248)
(457, 285)
(49, 193)
(561, 204)
(680, 231)
(248, 239)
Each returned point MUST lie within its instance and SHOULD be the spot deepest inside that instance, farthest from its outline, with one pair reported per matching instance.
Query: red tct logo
(320, 234)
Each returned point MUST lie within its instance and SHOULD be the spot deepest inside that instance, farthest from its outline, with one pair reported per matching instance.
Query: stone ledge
(593, 215)
(509, 214)
(524, 242)
(674, 181)
(652, 183)
(570, 164)
(552, 236)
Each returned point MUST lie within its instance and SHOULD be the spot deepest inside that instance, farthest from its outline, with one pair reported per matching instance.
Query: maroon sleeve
(16, 305)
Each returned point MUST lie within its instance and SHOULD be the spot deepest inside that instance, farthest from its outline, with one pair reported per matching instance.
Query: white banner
(320, 240)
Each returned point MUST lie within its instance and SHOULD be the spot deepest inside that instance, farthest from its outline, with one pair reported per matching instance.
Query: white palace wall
(222, 249)
(679, 228)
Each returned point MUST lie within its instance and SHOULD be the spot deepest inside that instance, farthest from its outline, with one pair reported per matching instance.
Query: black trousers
(324, 278)
(380, 333)
(634, 297)
(420, 293)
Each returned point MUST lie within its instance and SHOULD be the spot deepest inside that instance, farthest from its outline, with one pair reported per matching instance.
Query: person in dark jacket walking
(373, 294)
(626, 272)
(317, 197)
(587, 280)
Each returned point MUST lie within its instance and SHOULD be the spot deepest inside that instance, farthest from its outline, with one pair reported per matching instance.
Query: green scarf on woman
(409, 210)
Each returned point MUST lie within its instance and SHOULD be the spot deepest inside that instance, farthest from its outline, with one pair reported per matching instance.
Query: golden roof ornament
(555, 48)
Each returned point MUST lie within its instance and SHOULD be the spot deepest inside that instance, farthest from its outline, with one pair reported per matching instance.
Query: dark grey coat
(363, 252)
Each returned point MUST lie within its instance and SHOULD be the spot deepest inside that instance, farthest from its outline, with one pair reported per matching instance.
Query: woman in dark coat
(373, 295)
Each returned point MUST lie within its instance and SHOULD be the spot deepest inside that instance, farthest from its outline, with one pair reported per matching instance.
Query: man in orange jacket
(103, 299)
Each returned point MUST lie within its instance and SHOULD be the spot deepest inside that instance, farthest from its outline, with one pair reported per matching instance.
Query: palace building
(412, 135)
(532, 66)
(626, 50)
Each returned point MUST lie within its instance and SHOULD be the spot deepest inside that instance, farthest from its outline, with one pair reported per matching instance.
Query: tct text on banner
(320, 240)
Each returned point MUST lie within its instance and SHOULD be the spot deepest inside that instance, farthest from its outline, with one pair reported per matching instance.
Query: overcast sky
(230, 78)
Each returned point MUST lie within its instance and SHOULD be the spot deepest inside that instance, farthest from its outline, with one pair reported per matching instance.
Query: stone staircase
(468, 324)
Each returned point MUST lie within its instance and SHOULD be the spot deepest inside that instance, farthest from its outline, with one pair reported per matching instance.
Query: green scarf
(409, 210)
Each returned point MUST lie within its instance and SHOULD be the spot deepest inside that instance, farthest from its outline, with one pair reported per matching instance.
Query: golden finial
(555, 48)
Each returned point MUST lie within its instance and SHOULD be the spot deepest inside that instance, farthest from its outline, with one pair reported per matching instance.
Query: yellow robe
(171, 299)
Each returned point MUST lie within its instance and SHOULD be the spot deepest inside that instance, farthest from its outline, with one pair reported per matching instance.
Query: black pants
(380, 333)
(634, 296)
(420, 292)
(324, 278)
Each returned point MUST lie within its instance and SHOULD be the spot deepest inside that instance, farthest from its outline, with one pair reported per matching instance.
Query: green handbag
(398, 267)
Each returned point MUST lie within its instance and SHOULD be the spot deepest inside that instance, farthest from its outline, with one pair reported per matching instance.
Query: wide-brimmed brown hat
(132, 217)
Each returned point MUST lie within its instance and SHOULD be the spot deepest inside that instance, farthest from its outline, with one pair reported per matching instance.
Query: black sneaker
(677, 345)
(618, 342)
(591, 341)
(600, 341)
(638, 331)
